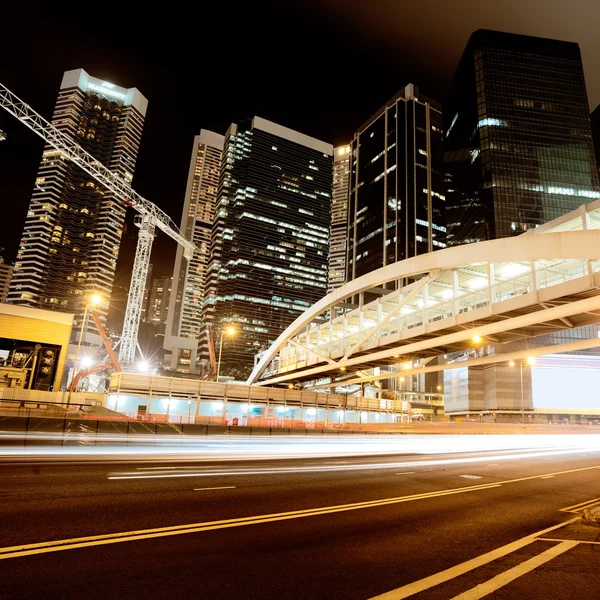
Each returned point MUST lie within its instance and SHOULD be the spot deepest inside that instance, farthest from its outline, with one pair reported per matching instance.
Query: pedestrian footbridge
(543, 281)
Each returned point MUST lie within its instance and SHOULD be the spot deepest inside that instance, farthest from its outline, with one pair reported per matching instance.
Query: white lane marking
(471, 476)
(406, 473)
(483, 589)
(221, 487)
(546, 476)
(337, 462)
(428, 582)
(492, 465)
(545, 539)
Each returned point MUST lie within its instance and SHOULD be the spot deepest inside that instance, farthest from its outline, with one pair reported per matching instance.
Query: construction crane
(150, 216)
(96, 368)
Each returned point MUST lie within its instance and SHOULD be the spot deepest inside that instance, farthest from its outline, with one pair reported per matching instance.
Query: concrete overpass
(403, 315)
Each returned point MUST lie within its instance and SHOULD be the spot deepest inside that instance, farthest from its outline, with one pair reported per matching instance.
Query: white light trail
(150, 448)
(325, 468)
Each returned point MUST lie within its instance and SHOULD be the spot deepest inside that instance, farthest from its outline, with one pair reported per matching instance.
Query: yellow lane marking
(580, 505)
(503, 579)
(221, 487)
(406, 473)
(54, 546)
(545, 539)
(469, 565)
(547, 477)
(112, 538)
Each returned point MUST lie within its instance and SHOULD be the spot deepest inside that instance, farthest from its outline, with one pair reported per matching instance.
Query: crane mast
(150, 216)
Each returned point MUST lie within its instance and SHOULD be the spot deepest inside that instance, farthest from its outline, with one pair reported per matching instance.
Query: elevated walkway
(409, 312)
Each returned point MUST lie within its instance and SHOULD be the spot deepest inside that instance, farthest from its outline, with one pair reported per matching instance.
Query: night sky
(320, 67)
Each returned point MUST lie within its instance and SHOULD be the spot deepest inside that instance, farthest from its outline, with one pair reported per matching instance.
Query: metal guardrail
(43, 405)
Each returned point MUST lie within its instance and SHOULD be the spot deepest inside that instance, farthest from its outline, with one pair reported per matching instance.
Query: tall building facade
(6, 272)
(185, 326)
(72, 232)
(517, 136)
(338, 246)
(269, 246)
(396, 201)
(595, 122)
(158, 304)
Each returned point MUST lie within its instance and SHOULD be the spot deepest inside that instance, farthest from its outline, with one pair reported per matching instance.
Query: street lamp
(229, 331)
(530, 361)
(93, 301)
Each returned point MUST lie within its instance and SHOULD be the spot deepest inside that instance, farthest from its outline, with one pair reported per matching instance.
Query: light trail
(114, 448)
(328, 468)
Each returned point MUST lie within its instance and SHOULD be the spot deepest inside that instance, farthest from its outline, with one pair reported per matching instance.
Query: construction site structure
(150, 216)
(113, 361)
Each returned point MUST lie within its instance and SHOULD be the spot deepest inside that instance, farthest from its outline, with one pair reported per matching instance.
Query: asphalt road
(426, 526)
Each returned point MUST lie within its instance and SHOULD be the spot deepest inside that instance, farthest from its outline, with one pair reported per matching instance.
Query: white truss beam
(133, 314)
(401, 303)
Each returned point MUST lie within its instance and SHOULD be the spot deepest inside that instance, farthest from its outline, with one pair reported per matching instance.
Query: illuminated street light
(406, 366)
(87, 362)
(476, 339)
(230, 331)
(530, 361)
(143, 366)
(290, 386)
(93, 301)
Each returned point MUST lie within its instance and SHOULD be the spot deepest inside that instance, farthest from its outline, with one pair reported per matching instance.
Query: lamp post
(93, 301)
(530, 361)
(229, 331)
(431, 394)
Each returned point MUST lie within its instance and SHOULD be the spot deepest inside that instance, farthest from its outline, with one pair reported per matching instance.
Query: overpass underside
(454, 300)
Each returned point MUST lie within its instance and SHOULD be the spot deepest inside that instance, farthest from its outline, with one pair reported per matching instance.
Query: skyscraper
(339, 218)
(6, 271)
(517, 136)
(396, 202)
(595, 123)
(158, 304)
(185, 326)
(73, 228)
(269, 246)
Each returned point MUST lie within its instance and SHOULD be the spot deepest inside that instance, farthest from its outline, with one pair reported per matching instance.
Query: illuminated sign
(106, 90)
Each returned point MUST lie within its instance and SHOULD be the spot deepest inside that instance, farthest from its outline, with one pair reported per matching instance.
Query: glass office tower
(396, 201)
(270, 237)
(518, 144)
(339, 218)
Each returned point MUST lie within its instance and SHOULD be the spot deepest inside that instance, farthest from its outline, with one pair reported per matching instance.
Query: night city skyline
(282, 74)
(300, 300)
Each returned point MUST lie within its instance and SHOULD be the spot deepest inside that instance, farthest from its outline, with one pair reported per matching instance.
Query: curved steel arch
(568, 245)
